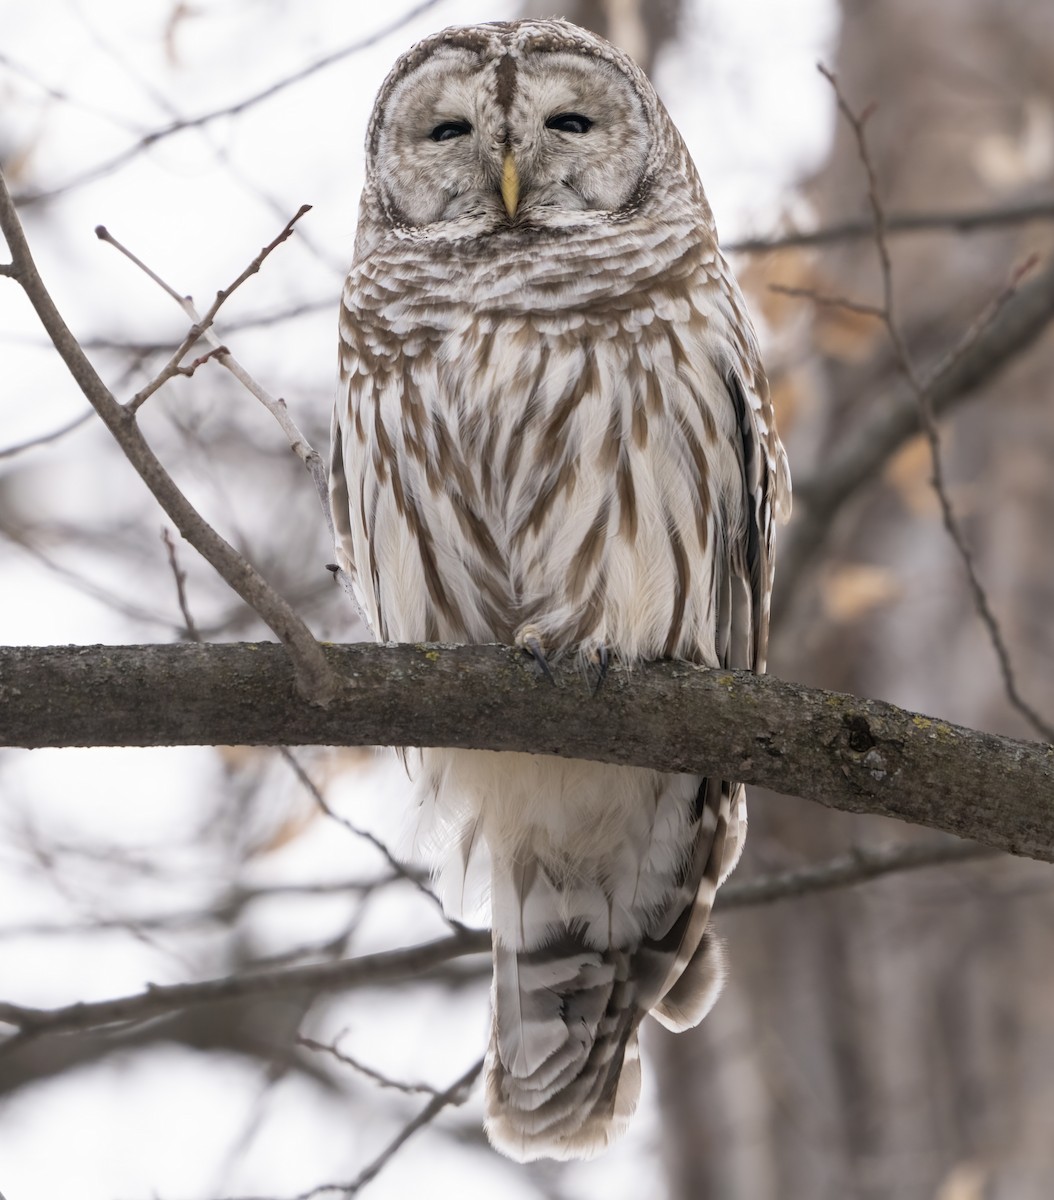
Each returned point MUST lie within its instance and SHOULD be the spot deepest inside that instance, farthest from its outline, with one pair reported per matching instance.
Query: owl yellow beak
(510, 184)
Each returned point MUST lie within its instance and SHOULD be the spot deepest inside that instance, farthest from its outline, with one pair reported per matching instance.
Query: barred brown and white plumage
(554, 428)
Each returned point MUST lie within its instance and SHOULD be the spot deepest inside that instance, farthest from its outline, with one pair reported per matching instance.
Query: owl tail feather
(563, 1070)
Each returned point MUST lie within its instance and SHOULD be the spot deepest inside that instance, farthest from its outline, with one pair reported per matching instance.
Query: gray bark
(861, 756)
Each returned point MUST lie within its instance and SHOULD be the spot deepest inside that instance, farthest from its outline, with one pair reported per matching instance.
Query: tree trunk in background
(897, 1040)
(641, 27)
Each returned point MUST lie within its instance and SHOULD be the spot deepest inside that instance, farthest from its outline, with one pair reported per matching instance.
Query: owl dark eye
(448, 130)
(569, 123)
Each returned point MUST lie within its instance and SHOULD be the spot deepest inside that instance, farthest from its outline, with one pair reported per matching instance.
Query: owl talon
(601, 660)
(530, 643)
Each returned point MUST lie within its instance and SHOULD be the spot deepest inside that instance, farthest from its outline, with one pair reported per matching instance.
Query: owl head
(514, 127)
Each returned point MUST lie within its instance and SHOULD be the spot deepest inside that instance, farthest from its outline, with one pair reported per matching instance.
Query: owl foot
(529, 640)
(601, 659)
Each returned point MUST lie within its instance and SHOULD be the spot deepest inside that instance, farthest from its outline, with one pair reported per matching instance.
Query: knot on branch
(859, 734)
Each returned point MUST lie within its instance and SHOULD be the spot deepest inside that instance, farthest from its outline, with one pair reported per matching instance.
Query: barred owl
(553, 430)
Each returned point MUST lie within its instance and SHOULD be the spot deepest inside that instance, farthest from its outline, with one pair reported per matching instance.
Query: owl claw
(602, 660)
(529, 641)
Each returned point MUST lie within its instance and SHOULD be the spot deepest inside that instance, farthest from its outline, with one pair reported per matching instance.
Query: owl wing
(743, 575)
(356, 467)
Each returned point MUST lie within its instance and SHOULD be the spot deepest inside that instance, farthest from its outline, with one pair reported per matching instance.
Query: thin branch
(457, 1093)
(276, 406)
(231, 325)
(114, 600)
(180, 578)
(397, 868)
(823, 301)
(231, 110)
(966, 221)
(44, 438)
(857, 123)
(226, 909)
(861, 865)
(367, 970)
(312, 673)
(202, 325)
(63, 97)
(849, 753)
(382, 1080)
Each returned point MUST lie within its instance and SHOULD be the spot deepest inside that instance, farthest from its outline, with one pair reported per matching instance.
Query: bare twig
(398, 869)
(230, 110)
(857, 123)
(382, 1080)
(314, 677)
(180, 577)
(276, 406)
(44, 438)
(202, 325)
(367, 970)
(818, 298)
(880, 432)
(861, 865)
(966, 221)
(115, 600)
(457, 1093)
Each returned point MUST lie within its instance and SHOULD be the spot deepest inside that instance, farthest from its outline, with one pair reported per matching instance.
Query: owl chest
(511, 420)
(572, 478)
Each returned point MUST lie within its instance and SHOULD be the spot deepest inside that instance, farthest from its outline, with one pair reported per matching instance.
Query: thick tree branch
(848, 753)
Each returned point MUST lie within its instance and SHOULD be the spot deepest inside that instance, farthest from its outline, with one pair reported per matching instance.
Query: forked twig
(315, 677)
(378, 1077)
(202, 328)
(398, 869)
(180, 577)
